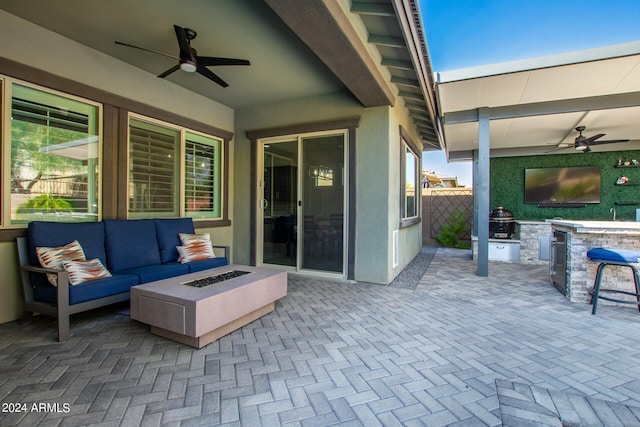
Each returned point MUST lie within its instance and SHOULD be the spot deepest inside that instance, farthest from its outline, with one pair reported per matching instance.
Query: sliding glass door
(302, 197)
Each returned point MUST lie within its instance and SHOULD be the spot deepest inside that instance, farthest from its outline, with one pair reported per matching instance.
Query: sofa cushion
(130, 243)
(151, 273)
(167, 232)
(116, 284)
(85, 271)
(206, 264)
(90, 235)
(55, 257)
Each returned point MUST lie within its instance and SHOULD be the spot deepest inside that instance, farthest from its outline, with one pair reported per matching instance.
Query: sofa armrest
(35, 269)
(227, 251)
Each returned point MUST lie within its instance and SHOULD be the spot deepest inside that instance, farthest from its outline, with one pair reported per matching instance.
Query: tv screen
(577, 184)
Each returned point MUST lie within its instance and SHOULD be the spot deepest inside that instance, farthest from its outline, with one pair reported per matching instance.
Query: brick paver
(343, 353)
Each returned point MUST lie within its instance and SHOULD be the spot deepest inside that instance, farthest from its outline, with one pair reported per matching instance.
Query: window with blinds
(202, 176)
(153, 170)
(158, 181)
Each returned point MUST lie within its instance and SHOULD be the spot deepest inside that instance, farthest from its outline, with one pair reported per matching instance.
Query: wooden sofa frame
(62, 310)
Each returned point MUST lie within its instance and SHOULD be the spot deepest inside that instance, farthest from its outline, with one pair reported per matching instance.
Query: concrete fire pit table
(187, 310)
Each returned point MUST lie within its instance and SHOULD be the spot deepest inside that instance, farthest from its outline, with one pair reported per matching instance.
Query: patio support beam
(603, 102)
(481, 191)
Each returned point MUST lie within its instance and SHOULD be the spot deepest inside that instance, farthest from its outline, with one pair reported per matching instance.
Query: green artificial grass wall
(507, 185)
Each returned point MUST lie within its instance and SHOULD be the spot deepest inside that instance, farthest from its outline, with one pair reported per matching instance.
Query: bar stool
(622, 257)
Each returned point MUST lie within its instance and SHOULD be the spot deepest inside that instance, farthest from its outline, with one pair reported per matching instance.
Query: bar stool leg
(636, 282)
(596, 288)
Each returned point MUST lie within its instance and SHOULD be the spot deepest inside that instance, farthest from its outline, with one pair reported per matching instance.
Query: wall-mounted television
(566, 185)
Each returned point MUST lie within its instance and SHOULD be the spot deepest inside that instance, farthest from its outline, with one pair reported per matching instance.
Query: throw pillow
(195, 251)
(85, 271)
(187, 239)
(54, 257)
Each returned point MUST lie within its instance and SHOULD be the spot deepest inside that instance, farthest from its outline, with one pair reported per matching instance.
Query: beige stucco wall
(409, 238)
(40, 48)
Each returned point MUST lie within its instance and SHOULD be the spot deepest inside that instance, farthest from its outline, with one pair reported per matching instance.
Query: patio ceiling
(374, 50)
(535, 104)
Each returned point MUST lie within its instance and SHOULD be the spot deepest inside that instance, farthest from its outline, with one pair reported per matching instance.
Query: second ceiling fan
(582, 143)
(189, 60)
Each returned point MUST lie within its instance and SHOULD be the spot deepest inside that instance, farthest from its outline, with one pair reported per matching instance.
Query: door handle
(264, 203)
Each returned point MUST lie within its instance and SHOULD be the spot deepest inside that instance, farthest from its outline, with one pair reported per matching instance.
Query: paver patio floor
(341, 354)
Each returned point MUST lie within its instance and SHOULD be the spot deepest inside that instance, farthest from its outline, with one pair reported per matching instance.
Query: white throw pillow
(54, 257)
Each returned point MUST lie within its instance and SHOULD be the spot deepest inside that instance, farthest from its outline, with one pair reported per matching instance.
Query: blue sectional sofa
(134, 252)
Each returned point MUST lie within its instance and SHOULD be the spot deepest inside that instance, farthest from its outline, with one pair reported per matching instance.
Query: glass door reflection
(279, 203)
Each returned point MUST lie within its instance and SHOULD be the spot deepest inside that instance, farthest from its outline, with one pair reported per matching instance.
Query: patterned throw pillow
(187, 239)
(195, 247)
(54, 257)
(85, 271)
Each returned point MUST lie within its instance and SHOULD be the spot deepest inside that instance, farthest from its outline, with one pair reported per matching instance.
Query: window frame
(407, 145)
(115, 108)
(6, 99)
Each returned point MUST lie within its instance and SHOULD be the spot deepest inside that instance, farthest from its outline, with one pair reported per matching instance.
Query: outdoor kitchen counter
(598, 227)
(584, 235)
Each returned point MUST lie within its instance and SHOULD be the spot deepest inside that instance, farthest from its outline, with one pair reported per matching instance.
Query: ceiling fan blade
(608, 141)
(211, 76)
(591, 139)
(146, 50)
(169, 71)
(183, 42)
(210, 61)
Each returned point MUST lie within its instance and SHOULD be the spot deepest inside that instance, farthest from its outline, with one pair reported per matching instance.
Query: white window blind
(153, 170)
(202, 176)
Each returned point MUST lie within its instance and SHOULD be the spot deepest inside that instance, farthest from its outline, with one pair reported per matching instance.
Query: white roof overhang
(534, 105)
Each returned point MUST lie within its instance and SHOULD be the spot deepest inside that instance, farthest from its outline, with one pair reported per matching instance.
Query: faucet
(614, 213)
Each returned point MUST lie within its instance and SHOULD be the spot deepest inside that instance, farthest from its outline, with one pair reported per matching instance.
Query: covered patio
(452, 349)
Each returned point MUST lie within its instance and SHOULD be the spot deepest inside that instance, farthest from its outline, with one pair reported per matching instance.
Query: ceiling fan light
(188, 66)
(581, 146)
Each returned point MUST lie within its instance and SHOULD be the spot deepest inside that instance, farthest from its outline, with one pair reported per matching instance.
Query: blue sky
(467, 33)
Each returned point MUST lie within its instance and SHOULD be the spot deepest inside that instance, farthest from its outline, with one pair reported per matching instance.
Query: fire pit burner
(212, 280)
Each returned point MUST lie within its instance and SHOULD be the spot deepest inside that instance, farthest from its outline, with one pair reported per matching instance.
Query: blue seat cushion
(151, 273)
(167, 231)
(614, 255)
(130, 243)
(206, 264)
(116, 284)
(90, 235)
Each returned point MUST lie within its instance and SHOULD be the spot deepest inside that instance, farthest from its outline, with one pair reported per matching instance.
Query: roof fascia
(412, 28)
(325, 28)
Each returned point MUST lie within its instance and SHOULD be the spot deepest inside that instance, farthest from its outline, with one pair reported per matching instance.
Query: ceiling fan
(582, 143)
(188, 59)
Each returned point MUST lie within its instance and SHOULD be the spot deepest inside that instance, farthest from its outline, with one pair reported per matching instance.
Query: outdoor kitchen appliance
(501, 223)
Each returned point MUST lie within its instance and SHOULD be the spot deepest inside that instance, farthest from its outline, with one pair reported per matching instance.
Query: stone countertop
(530, 222)
(600, 227)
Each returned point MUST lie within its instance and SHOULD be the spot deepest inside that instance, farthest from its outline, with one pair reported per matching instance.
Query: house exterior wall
(50, 52)
(410, 237)
(377, 178)
(372, 246)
